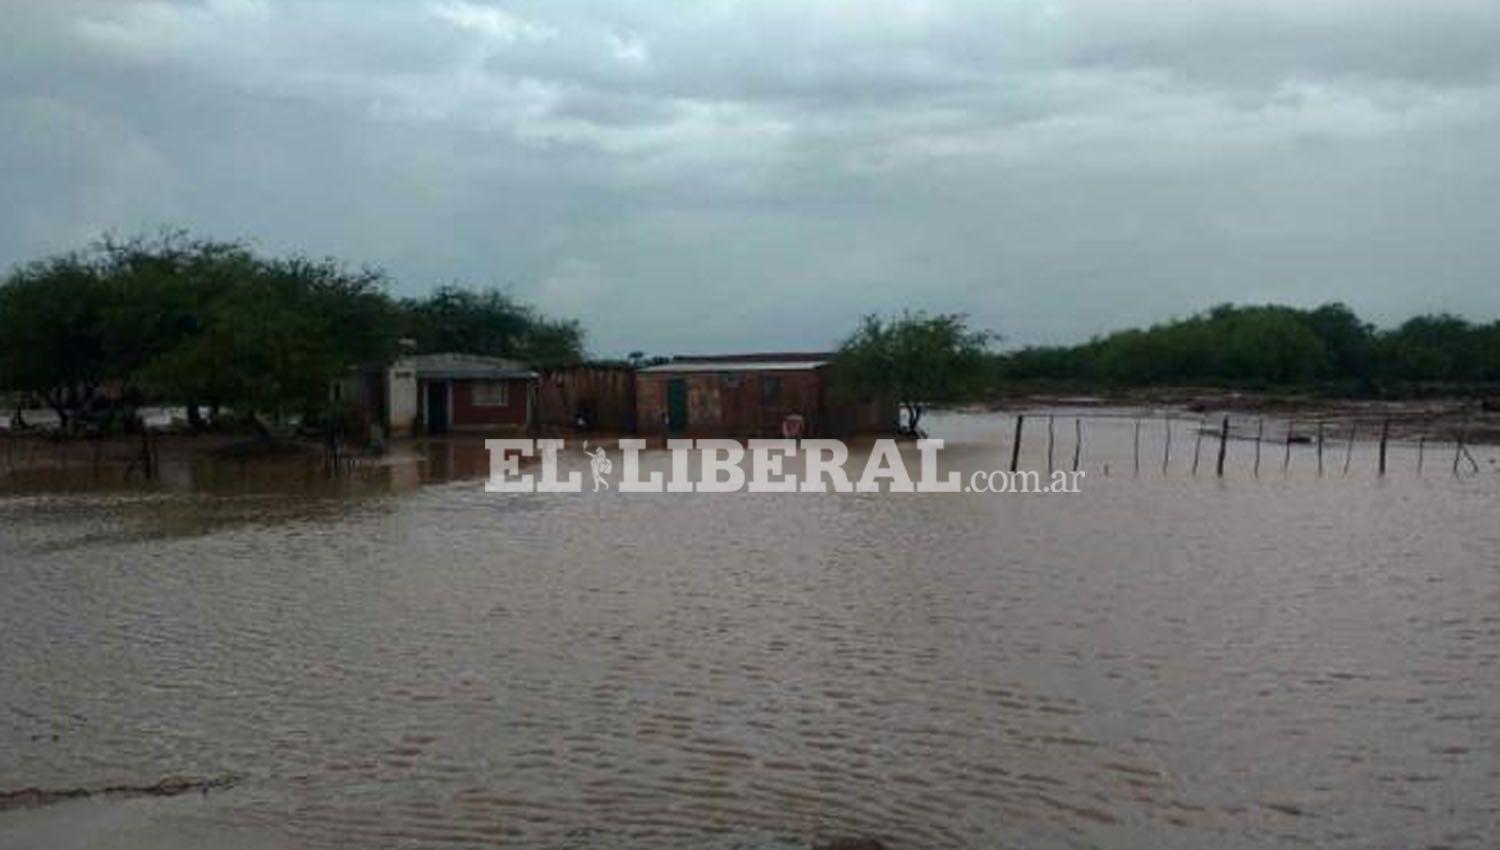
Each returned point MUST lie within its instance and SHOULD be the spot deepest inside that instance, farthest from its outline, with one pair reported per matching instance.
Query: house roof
(450, 366)
(747, 364)
(756, 357)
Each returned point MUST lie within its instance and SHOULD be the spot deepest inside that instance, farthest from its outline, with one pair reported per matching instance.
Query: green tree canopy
(914, 360)
(195, 321)
(52, 332)
(1271, 345)
(489, 322)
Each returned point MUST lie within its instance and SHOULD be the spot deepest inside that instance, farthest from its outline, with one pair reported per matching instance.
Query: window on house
(770, 390)
(491, 394)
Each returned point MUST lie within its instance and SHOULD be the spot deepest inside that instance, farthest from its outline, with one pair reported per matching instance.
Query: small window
(732, 380)
(770, 390)
(491, 394)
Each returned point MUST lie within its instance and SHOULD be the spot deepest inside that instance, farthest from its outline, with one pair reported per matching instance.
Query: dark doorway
(437, 407)
(677, 406)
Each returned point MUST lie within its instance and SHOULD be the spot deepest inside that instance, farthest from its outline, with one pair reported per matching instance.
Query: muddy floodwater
(1159, 661)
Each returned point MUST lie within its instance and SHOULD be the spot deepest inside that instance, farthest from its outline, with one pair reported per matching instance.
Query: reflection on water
(41, 467)
(73, 502)
(1162, 661)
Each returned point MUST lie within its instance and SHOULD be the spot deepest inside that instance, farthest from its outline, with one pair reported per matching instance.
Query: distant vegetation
(174, 319)
(916, 360)
(94, 334)
(1270, 347)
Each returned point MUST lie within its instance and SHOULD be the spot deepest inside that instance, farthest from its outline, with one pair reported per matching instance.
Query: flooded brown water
(1156, 662)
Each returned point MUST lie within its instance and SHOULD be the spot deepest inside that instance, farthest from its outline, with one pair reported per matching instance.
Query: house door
(677, 406)
(437, 407)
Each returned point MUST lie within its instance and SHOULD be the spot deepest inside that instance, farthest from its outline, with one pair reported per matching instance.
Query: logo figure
(600, 465)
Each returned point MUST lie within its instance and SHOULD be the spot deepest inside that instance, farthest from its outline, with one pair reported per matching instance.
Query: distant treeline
(1271, 346)
(95, 333)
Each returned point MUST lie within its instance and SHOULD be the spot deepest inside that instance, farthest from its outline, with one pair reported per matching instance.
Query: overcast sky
(717, 176)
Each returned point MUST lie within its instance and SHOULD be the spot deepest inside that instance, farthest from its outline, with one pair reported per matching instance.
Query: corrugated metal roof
(738, 366)
(755, 357)
(464, 366)
(475, 373)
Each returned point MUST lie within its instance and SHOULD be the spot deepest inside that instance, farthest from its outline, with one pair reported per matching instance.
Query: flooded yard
(1162, 660)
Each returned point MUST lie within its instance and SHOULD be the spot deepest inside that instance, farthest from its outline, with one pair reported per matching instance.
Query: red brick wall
(732, 404)
(609, 392)
(467, 414)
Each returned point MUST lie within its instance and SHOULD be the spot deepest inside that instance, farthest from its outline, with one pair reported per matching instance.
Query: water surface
(1160, 661)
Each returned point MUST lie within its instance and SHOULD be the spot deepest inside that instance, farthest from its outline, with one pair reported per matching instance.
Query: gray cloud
(724, 175)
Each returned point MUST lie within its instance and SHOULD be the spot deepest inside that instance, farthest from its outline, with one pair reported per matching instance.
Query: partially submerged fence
(1321, 437)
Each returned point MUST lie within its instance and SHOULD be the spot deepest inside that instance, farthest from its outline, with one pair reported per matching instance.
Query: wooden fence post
(1286, 462)
(1051, 440)
(1077, 441)
(1223, 445)
(1472, 462)
(1260, 433)
(1015, 450)
(1198, 443)
(1166, 453)
(1461, 450)
(1349, 449)
(1136, 456)
(1320, 448)
(1458, 451)
(1385, 436)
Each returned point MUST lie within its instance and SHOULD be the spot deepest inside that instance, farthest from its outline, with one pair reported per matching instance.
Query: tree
(361, 322)
(51, 334)
(489, 322)
(1489, 351)
(261, 348)
(915, 360)
(1432, 348)
(180, 319)
(1268, 345)
(159, 293)
(272, 337)
(1259, 345)
(1346, 338)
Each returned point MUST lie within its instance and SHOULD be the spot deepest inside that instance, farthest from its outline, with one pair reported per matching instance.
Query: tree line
(1270, 347)
(917, 360)
(96, 333)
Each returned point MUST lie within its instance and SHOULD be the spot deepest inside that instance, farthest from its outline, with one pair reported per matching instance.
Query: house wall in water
(605, 394)
(485, 404)
(846, 418)
(401, 401)
(739, 403)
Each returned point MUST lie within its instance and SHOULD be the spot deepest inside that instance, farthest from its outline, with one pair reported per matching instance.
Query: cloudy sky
(717, 175)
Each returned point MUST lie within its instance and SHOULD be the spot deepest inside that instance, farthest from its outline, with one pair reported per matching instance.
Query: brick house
(751, 395)
(443, 393)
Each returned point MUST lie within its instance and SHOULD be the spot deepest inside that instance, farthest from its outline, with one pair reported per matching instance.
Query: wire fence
(1207, 444)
